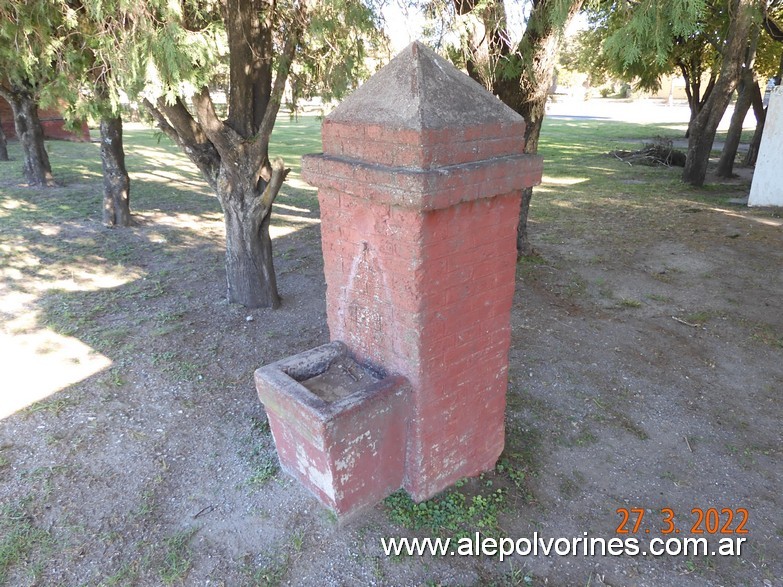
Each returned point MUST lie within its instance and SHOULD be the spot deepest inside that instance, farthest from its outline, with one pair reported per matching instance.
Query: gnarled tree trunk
(527, 92)
(233, 154)
(37, 170)
(703, 128)
(250, 271)
(116, 183)
(541, 44)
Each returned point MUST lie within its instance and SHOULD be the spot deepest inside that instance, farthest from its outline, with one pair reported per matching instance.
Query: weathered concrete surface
(419, 90)
(767, 189)
(349, 452)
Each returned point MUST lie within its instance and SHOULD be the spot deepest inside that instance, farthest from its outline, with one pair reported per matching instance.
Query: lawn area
(645, 373)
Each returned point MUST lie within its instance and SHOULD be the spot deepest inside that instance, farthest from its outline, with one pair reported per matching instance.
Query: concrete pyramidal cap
(419, 90)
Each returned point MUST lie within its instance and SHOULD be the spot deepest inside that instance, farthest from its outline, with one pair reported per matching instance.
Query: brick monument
(419, 185)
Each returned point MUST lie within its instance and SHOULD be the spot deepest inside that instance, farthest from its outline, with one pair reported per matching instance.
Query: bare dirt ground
(646, 372)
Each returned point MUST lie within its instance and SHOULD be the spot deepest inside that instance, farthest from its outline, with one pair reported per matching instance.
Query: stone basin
(339, 427)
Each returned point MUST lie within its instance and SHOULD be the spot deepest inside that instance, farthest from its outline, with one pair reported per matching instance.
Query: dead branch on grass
(660, 153)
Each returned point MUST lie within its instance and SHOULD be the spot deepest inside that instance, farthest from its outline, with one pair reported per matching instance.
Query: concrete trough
(339, 427)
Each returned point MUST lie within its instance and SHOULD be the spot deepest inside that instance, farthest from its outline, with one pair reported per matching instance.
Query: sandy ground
(645, 372)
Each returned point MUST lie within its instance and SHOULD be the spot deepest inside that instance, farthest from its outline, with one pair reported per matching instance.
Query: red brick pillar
(419, 187)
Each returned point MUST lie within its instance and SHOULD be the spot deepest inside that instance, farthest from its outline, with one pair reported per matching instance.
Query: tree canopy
(31, 43)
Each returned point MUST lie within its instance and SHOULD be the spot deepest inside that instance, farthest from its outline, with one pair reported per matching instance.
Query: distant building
(51, 120)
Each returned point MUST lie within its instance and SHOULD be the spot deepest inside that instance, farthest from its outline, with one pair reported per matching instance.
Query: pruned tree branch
(261, 206)
(162, 123)
(279, 173)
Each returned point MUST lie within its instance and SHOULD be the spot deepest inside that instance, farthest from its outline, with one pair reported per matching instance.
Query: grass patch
(176, 557)
(767, 335)
(472, 504)
(269, 574)
(54, 406)
(453, 512)
(267, 468)
(629, 303)
(21, 542)
(699, 318)
(127, 574)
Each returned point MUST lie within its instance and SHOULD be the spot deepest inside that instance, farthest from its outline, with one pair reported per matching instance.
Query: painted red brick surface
(419, 207)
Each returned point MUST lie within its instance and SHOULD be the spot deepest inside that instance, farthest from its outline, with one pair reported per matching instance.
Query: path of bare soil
(646, 372)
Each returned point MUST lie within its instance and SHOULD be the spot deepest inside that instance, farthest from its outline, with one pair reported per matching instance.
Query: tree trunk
(726, 163)
(524, 246)
(116, 183)
(757, 101)
(702, 130)
(3, 145)
(37, 170)
(533, 113)
(233, 155)
(697, 99)
(544, 42)
(692, 92)
(250, 271)
(527, 94)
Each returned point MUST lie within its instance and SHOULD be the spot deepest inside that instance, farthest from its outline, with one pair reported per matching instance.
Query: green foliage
(644, 33)
(182, 53)
(89, 53)
(582, 53)
(642, 42)
(334, 52)
(769, 51)
(176, 557)
(452, 512)
(32, 41)
(19, 538)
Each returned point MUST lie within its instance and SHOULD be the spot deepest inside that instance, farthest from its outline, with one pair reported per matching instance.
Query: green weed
(452, 512)
(54, 405)
(176, 558)
(21, 541)
(629, 303)
(266, 469)
(701, 317)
